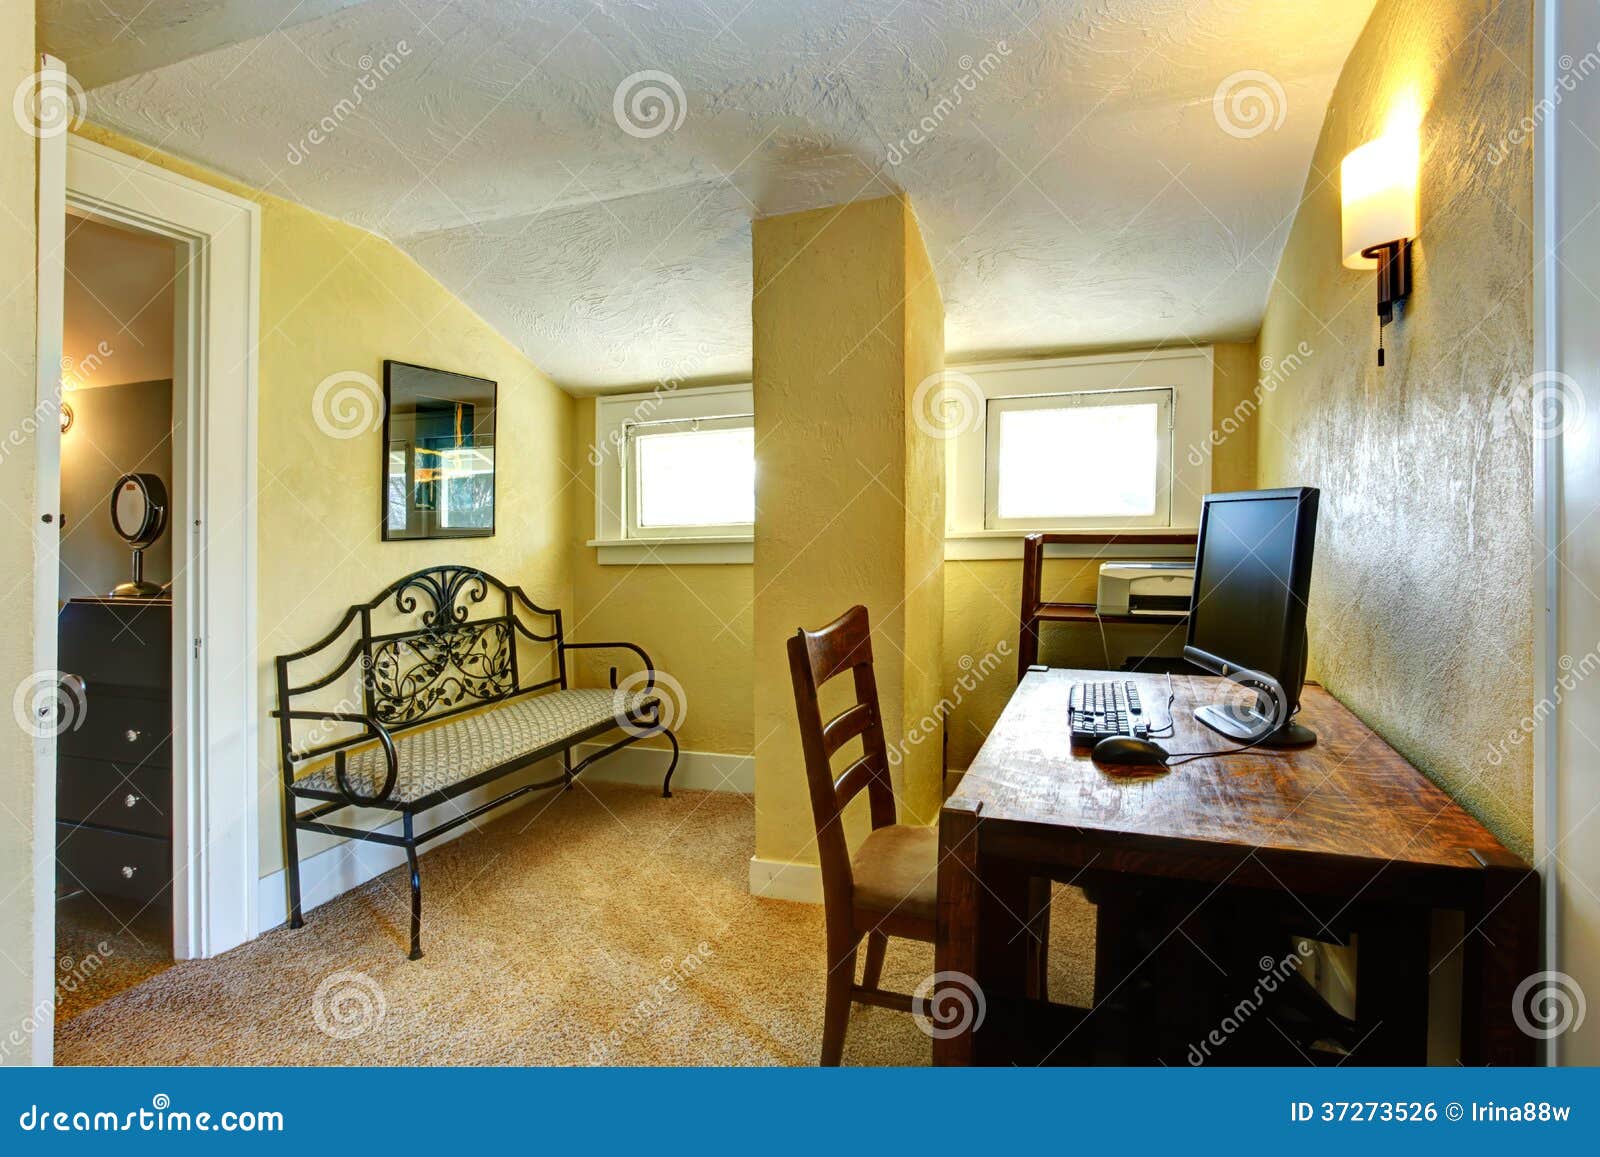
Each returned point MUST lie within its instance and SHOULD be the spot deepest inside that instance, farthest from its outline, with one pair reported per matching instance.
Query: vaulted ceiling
(584, 173)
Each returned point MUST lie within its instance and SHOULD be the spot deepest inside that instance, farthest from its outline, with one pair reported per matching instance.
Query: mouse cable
(1166, 730)
(1178, 757)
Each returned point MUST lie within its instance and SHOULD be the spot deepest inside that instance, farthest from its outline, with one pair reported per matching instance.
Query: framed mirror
(438, 453)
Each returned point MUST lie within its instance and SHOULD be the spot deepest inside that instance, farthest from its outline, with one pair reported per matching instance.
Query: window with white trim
(1107, 442)
(691, 476)
(675, 475)
(1099, 458)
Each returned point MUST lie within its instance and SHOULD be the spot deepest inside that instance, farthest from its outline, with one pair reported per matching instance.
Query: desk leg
(1392, 986)
(956, 946)
(1501, 951)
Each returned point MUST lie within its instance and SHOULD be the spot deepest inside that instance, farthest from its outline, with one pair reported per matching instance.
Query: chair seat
(896, 870)
(433, 757)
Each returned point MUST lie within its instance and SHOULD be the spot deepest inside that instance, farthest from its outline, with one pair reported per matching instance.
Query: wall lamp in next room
(1378, 192)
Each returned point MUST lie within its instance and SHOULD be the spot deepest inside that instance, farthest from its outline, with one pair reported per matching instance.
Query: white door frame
(1567, 511)
(215, 752)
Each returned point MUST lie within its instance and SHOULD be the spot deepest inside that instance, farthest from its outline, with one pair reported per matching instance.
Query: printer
(1161, 590)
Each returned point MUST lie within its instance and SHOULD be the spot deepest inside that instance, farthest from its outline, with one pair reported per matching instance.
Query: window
(692, 476)
(1100, 458)
(1115, 441)
(675, 476)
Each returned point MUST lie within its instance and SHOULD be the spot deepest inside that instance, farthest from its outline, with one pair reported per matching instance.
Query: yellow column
(850, 498)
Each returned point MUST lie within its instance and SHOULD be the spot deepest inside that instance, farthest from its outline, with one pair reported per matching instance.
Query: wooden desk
(1345, 827)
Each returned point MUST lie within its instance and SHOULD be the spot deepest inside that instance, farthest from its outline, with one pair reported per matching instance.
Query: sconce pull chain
(1380, 344)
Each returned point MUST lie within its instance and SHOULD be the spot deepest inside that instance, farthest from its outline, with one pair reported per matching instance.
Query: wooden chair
(889, 888)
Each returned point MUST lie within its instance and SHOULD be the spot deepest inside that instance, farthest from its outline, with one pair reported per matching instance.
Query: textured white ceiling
(1079, 184)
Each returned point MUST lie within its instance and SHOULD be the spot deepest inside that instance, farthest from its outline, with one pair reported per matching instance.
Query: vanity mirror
(139, 509)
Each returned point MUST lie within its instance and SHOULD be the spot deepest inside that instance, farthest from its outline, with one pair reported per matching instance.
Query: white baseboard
(782, 880)
(697, 770)
(331, 873)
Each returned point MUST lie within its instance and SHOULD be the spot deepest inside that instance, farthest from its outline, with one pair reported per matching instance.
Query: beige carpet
(104, 947)
(602, 925)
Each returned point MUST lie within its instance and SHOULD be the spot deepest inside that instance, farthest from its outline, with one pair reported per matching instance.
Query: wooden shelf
(1086, 613)
(1035, 610)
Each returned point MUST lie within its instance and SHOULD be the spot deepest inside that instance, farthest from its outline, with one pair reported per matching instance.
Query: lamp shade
(1378, 192)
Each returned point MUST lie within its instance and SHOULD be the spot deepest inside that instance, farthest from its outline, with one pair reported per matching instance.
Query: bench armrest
(650, 671)
(374, 730)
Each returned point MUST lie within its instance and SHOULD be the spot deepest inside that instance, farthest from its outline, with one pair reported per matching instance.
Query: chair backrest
(815, 658)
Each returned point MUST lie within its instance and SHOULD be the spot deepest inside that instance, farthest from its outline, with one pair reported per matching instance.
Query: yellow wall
(841, 315)
(696, 622)
(337, 299)
(18, 178)
(1421, 615)
(923, 495)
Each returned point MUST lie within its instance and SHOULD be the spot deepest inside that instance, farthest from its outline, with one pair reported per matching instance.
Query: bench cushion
(434, 756)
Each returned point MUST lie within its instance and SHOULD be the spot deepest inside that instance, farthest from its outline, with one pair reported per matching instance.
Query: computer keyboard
(1097, 710)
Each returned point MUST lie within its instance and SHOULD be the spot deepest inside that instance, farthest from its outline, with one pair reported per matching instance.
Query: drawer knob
(128, 871)
(130, 800)
(132, 735)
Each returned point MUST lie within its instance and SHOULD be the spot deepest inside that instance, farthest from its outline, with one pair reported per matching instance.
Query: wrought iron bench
(436, 703)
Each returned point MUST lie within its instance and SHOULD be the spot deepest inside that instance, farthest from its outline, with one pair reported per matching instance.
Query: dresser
(114, 756)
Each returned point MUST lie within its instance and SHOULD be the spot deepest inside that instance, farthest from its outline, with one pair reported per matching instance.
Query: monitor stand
(1242, 725)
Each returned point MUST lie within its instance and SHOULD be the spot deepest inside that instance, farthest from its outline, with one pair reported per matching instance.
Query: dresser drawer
(117, 864)
(117, 642)
(135, 799)
(121, 729)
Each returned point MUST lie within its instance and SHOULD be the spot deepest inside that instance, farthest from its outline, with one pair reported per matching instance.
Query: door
(53, 705)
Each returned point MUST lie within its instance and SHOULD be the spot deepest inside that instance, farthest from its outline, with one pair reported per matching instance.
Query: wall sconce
(1378, 192)
(66, 417)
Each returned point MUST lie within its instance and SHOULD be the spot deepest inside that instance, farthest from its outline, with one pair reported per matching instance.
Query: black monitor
(1252, 580)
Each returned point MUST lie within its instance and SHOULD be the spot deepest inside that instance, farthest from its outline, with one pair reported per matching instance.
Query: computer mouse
(1126, 751)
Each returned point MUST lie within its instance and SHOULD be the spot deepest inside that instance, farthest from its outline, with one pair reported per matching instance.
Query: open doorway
(208, 719)
(116, 632)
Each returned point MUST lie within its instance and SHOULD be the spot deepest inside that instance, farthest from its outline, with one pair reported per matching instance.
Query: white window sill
(722, 550)
(974, 545)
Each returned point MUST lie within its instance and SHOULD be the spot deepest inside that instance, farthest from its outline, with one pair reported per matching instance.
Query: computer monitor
(1252, 579)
